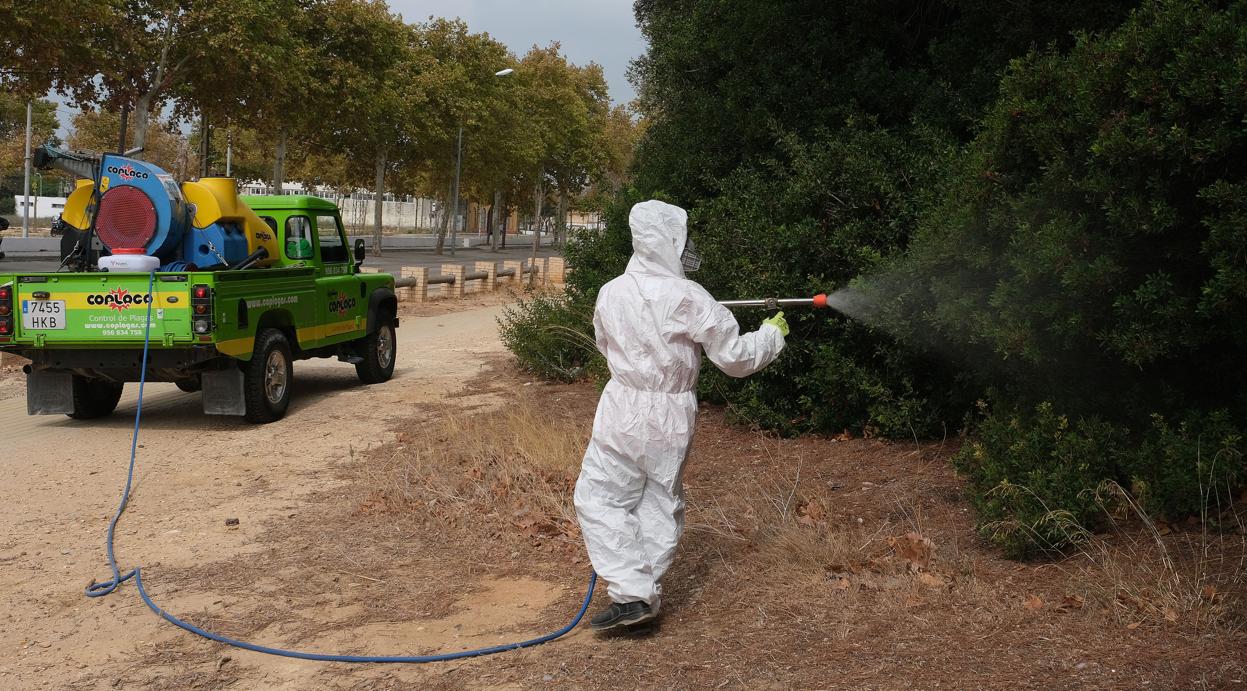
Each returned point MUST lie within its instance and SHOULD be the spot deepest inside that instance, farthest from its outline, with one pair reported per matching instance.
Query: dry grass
(1141, 571)
(509, 462)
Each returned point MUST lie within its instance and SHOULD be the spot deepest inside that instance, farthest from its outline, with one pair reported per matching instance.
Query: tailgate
(100, 309)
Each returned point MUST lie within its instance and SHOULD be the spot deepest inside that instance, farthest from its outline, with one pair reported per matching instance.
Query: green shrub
(1088, 257)
(552, 337)
(1035, 477)
(1194, 467)
(1032, 476)
(857, 192)
(1091, 244)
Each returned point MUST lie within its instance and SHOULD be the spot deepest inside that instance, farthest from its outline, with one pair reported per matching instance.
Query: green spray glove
(778, 322)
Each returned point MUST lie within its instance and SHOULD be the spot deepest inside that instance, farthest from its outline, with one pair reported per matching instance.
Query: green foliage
(721, 76)
(552, 337)
(1088, 258)
(806, 221)
(13, 131)
(1094, 235)
(1035, 478)
(1032, 476)
(1195, 466)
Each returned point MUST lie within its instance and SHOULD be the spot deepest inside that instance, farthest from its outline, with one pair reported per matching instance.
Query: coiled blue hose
(106, 587)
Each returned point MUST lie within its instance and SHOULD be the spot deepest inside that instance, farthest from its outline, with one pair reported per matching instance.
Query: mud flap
(49, 393)
(223, 392)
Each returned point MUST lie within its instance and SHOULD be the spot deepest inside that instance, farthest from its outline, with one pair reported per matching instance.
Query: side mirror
(359, 250)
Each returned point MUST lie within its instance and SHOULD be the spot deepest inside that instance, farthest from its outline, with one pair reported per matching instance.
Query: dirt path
(60, 481)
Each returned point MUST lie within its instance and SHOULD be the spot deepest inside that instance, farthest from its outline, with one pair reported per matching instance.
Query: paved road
(390, 262)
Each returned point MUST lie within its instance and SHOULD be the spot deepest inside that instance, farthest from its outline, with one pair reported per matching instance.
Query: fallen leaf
(913, 548)
(840, 584)
(931, 580)
(1209, 592)
(806, 521)
(1070, 602)
(815, 511)
(1033, 603)
(1132, 625)
(1170, 615)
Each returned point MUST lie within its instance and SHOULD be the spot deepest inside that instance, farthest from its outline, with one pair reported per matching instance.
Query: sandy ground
(60, 480)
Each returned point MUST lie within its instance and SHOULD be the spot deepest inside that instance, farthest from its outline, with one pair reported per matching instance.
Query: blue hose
(106, 587)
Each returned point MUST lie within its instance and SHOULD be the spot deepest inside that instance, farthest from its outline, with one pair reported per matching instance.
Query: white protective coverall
(652, 325)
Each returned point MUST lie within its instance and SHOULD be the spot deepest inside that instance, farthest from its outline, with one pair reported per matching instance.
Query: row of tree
(336, 92)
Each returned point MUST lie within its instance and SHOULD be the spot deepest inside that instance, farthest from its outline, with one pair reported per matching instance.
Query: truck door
(345, 305)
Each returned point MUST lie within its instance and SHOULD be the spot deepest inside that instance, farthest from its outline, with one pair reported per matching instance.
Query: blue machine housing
(176, 239)
(202, 246)
(172, 215)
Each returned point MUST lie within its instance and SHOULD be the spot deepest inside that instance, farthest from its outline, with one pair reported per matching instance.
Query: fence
(418, 284)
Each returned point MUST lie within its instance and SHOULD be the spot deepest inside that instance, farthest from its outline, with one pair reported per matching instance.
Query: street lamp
(454, 221)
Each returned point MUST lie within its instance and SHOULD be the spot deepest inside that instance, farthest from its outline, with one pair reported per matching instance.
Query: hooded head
(659, 231)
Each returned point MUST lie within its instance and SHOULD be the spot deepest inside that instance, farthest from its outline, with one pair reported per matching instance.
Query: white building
(41, 207)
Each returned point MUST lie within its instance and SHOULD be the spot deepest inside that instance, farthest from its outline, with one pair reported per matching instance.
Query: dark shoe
(622, 614)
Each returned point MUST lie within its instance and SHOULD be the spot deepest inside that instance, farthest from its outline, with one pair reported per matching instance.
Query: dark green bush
(1189, 468)
(1032, 476)
(1093, 240)
(1035, 477)
(1089, 253)
(552, 337)
(858, 192)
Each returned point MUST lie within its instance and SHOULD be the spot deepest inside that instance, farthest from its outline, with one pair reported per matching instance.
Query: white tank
(129, 260)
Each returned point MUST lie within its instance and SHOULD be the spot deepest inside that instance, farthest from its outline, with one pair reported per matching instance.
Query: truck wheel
(190, 385)
(377, 350)
(94, 397)
(267, 377)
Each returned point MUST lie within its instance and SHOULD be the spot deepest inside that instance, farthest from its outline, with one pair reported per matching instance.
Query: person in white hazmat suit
(652, 324)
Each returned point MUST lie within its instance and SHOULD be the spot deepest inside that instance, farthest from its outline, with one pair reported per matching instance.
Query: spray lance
(816, 302)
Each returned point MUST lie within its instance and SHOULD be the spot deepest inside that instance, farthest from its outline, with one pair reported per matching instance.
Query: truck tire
(94, 398)
(378, 350)
(190, 385)
(267, 377)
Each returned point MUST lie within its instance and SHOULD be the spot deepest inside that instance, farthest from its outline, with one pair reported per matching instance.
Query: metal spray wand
(817, 301)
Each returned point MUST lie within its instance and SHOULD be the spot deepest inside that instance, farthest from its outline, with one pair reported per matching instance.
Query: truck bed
(109, 310)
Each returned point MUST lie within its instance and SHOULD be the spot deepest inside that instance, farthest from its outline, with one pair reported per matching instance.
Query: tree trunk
(495, 221)
(560, 227)
(441, 232)
(538, 199)
(379, 202)
(279, 162)
(506, 220)
(141, 118)
(205, 145)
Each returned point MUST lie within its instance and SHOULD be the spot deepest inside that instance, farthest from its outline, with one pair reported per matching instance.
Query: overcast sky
(601, 31)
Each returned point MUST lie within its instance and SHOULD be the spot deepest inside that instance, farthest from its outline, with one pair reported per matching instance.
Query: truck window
(298, 237)
(332, 247)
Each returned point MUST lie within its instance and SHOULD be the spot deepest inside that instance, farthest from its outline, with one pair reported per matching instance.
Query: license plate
(43, 314)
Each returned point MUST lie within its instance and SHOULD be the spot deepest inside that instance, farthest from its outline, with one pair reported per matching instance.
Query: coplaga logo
(340, 304)
(118, 299)
(128, 172)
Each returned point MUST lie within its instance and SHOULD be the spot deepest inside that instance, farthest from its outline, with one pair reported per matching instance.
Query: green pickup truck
(231, 333)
